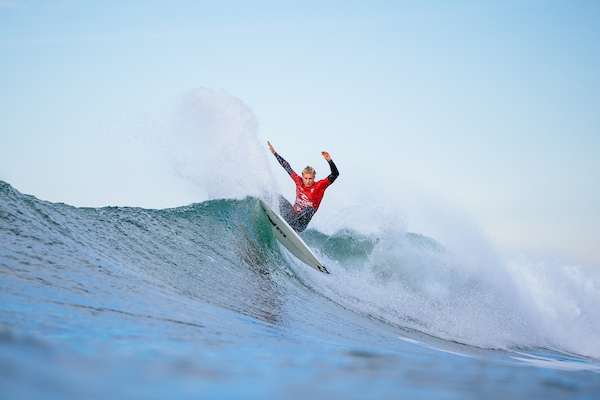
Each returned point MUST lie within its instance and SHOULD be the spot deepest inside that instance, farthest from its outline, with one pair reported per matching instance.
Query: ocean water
(200, 302)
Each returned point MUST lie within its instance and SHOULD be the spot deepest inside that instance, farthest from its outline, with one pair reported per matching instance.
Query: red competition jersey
(312, 196)
(309, 197)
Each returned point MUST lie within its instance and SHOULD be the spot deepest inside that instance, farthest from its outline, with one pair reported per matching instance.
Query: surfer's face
(308, 179)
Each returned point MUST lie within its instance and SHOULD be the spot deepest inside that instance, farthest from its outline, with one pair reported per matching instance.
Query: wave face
(132, 302)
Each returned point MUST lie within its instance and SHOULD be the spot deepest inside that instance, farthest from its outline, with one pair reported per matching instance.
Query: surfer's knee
(302, 219)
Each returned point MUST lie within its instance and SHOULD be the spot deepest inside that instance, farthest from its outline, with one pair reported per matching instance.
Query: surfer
(308, 192)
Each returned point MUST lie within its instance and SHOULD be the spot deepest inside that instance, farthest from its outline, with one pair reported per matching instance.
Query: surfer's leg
(286, 209)
(301, 220)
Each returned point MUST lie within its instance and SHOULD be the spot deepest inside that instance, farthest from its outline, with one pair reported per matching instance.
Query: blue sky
(486, 107)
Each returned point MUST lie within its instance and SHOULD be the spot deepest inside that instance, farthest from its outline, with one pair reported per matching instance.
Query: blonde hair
(309, 170)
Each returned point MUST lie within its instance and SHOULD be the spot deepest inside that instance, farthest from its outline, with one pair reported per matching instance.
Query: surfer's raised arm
(334, 171)
(286, 165)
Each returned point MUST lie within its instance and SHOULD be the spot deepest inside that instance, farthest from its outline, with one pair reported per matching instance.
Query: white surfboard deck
(284, 233)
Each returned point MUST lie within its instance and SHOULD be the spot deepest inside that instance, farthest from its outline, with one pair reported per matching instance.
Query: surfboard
(288, 237)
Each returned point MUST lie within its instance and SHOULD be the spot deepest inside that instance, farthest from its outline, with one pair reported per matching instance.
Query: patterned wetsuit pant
(297, 221)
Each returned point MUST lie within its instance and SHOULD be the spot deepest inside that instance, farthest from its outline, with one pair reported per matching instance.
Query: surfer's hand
(271, 148)
(326, 155)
